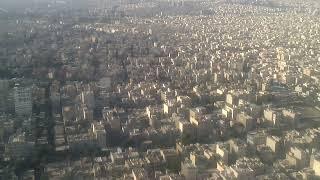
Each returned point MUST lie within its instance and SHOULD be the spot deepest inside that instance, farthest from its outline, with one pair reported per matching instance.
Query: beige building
(274, 143)
(232, 99)
(223, 152)
(271, 116)
(246, 120)
(297, 157)
(315, 164)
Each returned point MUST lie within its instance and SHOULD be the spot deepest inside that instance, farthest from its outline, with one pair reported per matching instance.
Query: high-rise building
(4, 91)
(4, 84)
(99, 133)
(23, 100)
(19, 147)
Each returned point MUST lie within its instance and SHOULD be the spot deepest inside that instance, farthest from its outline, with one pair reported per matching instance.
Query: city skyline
(160, 90)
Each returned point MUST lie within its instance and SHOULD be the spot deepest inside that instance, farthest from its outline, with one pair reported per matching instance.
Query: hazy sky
(17, 3)
(9, 4)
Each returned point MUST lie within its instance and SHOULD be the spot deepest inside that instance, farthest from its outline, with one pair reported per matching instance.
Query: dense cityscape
(160, 90)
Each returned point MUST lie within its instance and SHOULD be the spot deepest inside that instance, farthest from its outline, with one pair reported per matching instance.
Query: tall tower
(4, 91)
(23, 100)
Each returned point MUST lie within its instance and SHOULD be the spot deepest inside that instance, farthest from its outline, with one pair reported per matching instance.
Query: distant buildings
(162, 90)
